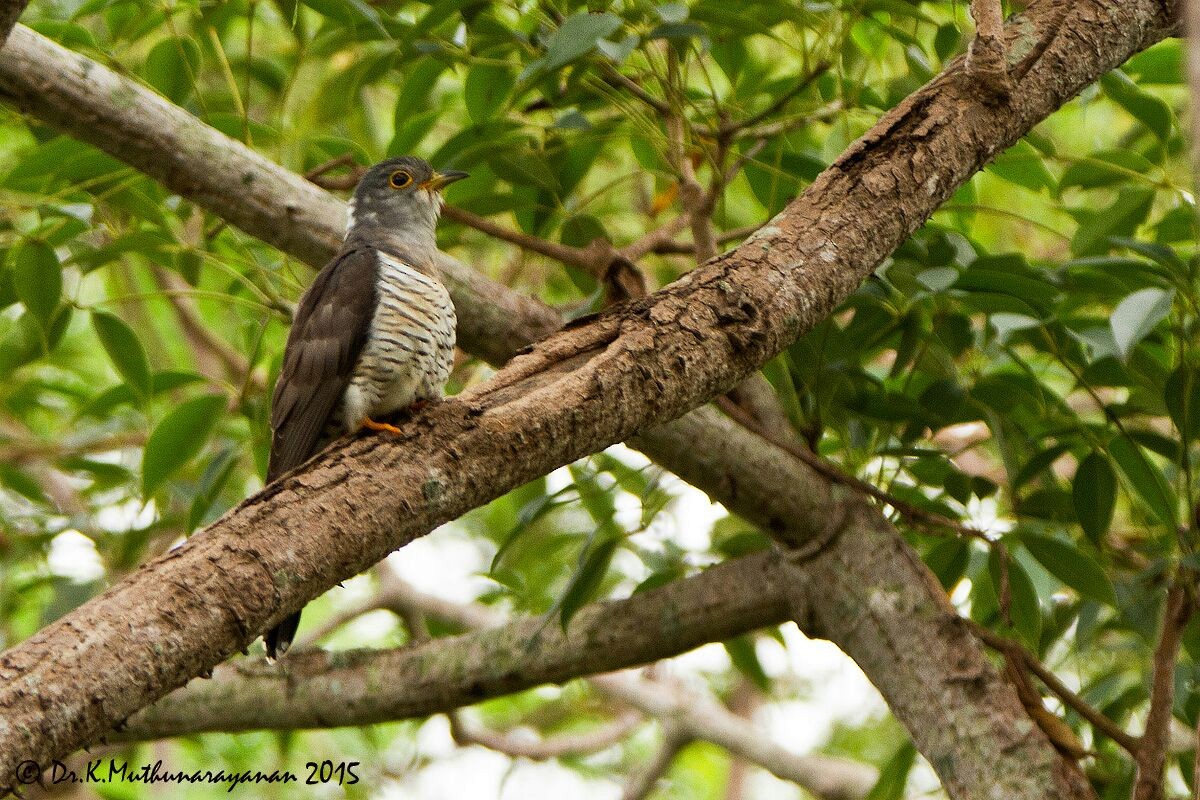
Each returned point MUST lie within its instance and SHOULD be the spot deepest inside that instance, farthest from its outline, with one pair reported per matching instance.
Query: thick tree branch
(711, 596)
(667, 354)
(317, 689)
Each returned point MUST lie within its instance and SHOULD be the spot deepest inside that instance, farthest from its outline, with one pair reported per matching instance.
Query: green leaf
(1094, 495)
(1072, 566)
(173, 67)
(581, 230)
(575, 38)
(1182, 396)
(1024, 608)
(352, 13)
(1151, 111)
(486, 88)
(1147, 481)
(745, 659)
(37, 278)
(22, 483)
(948, 560)
(178, 439)
(1105, 168)
(419, 81)
(125, 351)
(893, 778)
(1162, 63)
(585, 581)
(1121, 218)
(1023, 165)
(215, 475)
(1135, 317)
(672, 12)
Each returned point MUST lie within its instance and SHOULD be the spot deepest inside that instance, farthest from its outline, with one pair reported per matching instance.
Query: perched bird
(374, 334)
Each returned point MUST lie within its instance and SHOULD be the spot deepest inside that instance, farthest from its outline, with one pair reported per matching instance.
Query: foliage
(1026, 363)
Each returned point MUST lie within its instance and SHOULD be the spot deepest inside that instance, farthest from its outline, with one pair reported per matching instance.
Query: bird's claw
(381, 426)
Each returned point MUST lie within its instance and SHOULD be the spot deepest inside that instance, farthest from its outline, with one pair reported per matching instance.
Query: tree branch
(642, 784)
(986, 55)
(1152, 755)
(709, 601)
(1069, 698)
(893, 177)
(319, 689)
(515, 745)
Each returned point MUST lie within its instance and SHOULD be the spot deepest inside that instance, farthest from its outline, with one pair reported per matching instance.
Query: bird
(373, 334)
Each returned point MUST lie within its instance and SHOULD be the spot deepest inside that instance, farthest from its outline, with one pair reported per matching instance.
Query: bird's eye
(400, 178)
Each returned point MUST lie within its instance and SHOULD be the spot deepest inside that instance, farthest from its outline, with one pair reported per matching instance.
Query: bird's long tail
(279, 638)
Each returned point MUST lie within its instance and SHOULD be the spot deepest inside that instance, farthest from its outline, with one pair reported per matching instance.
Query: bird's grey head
(398, 201)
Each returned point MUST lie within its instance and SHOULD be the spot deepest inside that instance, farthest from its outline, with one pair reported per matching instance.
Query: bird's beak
(441, 180)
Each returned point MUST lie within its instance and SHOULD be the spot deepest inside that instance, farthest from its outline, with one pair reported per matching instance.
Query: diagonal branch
(624, 629)
(323, 689)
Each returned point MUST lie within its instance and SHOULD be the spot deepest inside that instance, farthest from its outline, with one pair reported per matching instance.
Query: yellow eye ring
(400, 178)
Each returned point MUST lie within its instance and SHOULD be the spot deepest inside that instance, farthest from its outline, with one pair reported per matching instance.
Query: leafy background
(1025, 364)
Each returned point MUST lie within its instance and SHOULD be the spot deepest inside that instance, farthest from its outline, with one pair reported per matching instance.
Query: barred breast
(410, 346)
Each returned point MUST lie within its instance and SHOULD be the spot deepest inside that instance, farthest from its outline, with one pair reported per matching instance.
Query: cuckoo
(374, 334)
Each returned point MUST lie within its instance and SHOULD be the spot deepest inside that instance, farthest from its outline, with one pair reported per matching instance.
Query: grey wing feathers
(327, 336)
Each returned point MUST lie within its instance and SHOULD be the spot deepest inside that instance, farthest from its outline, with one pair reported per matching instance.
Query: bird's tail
(279, 638)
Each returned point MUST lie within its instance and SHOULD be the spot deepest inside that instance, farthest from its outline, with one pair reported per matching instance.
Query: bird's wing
(327, 336)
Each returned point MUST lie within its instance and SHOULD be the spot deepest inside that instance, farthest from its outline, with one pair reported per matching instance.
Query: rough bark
(363, 687)
(716, 326)
(319, 689)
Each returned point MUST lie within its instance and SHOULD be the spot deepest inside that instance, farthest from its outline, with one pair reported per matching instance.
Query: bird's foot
(380, 426)
(417, 405)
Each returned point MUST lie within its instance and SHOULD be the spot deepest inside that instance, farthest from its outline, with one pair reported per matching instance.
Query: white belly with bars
(409, 349)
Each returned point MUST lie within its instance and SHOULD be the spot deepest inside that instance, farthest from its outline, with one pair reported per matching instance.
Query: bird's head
(400, 199)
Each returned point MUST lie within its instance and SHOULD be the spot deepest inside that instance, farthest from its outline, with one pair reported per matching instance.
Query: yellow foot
(380, 426)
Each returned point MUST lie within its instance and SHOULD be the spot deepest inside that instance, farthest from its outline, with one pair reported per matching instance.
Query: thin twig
(566, 254)
(1069, 698)
(642, 783)
(733, 128)
(913, 514)
(319, 171)
(635, 89)
(675, 247)
(656, 239)
(536, 748)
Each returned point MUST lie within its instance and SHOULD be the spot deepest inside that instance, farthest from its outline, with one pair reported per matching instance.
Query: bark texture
(319, 689)
(590, 386)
